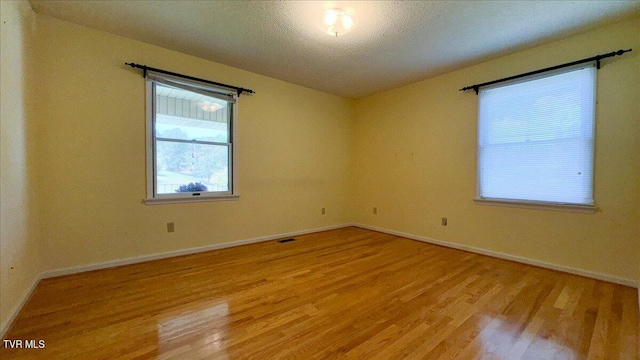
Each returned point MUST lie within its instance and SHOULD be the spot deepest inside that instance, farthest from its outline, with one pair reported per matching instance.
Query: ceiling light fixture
(336, 22)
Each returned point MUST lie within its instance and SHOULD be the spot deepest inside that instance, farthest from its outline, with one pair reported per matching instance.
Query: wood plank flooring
(342, 294)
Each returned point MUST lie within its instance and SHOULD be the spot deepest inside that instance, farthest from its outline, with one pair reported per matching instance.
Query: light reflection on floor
(201, 331)
(499, 332)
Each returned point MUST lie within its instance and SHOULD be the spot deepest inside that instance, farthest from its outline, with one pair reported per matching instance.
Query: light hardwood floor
(347, 293)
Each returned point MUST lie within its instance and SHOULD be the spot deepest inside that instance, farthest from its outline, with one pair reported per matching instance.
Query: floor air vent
(286, 240)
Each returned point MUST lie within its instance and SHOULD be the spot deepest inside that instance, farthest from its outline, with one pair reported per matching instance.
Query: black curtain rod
(596, 58)
(145, 68)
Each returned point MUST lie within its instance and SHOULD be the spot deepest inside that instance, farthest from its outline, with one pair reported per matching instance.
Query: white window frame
(153, 198)
(532, 204)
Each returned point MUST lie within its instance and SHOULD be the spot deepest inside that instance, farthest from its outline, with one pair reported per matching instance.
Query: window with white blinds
(536, 139)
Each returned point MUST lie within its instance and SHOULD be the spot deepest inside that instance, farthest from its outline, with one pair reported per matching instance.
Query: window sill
(538, 205)
(163, 201)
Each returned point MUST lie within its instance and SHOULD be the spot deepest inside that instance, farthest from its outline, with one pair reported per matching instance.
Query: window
(536, 139)
(190, 141)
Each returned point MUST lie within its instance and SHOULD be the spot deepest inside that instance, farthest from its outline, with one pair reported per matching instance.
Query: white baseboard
(143, 258)
(16, 309)
(520, 259)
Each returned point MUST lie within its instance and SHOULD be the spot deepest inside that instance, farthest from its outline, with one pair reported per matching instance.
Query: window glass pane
(181, 164)
(536, 139)
(187, 115)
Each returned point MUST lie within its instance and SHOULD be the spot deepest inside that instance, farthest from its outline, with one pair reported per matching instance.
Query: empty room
(314, 180)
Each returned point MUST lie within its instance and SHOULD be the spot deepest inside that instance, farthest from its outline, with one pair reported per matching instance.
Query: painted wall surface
(415, 160)
(19, 256)
(292, 146)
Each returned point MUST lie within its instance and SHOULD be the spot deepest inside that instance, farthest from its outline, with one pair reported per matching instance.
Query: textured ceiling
(394, 43)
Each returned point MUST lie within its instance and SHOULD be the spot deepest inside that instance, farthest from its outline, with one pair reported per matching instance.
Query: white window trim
(161, 199)
(537, 205)
(541, 205)
(193, 199)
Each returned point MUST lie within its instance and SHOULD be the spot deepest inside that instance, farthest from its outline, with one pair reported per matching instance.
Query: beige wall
(292, 143)
(19, 256)
(415, 151)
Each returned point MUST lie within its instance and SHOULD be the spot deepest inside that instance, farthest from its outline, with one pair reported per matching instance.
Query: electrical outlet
(171, 227)
(375, 211)
(322, 211)
(444, 221)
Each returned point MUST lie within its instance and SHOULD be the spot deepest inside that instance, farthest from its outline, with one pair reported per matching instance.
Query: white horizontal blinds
(536, 139)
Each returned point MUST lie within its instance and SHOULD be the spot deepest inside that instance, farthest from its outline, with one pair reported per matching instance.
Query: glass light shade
(337, 22)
